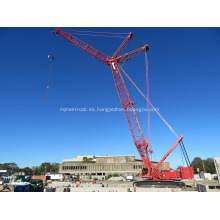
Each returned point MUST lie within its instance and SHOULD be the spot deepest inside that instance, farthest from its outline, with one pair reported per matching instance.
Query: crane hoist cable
(147, 82)
(182, 147)
(51, 57)
(149, 102)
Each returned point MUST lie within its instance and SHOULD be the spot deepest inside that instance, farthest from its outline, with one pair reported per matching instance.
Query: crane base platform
(160, 184)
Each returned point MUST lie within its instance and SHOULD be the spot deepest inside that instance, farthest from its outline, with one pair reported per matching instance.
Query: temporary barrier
(50, 189)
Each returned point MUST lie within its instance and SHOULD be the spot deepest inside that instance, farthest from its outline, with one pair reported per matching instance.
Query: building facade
(104, 165)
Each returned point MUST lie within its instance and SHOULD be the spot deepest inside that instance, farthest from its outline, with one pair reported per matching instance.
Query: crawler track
(160, 184)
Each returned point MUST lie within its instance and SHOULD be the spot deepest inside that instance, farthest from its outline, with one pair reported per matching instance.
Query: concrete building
(217, 167)
(104, 165)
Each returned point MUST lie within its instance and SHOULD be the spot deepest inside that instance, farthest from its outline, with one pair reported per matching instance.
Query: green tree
(109, 176)
(36, 170)
(88, 160)
(27, 170)
(13, 167)
(210, 166)
(45, 167)
(197, 163)
(55, 168)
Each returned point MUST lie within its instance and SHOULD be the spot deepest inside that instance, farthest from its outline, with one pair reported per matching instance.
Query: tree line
(207, 165)
(198, 165)
(35, 170)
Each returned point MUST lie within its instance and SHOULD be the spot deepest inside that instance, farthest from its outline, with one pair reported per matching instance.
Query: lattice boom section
(131, 54)
(122, 46)
(129, 111)
(86, 48)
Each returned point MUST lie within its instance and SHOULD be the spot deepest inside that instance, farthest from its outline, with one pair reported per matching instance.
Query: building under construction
(105, 165)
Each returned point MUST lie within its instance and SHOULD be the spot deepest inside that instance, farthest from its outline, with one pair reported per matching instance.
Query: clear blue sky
(184, 66)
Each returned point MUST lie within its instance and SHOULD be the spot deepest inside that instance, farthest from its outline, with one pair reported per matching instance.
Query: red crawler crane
(150, 171)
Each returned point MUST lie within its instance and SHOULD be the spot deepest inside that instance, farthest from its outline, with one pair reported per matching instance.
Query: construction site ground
(123, 186)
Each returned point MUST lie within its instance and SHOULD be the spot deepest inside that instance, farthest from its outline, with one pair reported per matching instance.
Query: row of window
(124, 167)
(74, 167)
(137, 167)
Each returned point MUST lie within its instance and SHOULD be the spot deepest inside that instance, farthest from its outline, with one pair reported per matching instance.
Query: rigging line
(93, 32)
(49, 77)
(181, 151)
(51, 55)
(52, 45)
(154, 156)
(137, 41)
(95, 35)
(143, 128)
(186, 152)
(149, 103)
(148, 96)
(53, 48)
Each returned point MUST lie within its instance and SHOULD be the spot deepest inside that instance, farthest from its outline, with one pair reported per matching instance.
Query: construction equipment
(150, 171)
(36, 185)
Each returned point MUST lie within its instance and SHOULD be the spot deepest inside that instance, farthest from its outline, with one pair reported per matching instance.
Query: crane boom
(84, 47)
(130, 114)
(122, 46)
(150, 171)
(124, 58)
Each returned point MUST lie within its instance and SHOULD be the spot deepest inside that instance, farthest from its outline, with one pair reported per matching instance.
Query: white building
(217, 167)
(57, 176)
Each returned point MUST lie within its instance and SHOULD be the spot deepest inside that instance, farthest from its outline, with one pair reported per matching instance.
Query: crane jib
(150, 171)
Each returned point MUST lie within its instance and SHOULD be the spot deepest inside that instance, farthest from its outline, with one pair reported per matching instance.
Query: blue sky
(184, 84)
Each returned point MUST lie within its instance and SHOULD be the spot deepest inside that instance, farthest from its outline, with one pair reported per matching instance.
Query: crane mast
(150, 171)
